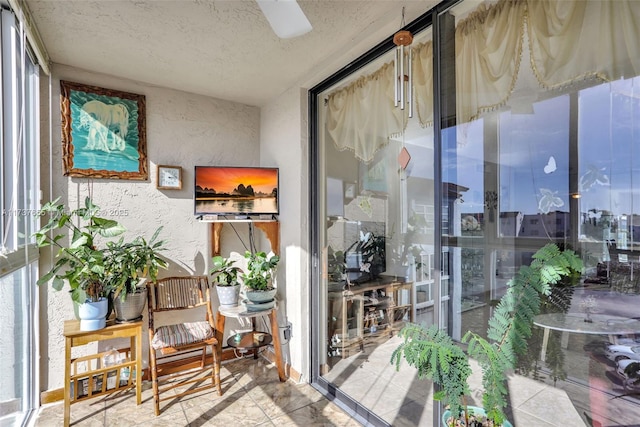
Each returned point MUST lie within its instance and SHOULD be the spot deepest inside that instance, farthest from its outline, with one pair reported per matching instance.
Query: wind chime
(402, 69)
(403, 86)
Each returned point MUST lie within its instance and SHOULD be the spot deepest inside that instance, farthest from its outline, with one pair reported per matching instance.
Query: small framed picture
(169, 177)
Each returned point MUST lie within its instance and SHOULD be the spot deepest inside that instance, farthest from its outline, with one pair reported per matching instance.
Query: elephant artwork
(107, 125)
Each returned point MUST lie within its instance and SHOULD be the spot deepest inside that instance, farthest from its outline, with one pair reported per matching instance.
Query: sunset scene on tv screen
(225, 180)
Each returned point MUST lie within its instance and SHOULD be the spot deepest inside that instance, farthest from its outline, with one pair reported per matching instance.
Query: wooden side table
(355, 318)
(240, 312)
(97, 376)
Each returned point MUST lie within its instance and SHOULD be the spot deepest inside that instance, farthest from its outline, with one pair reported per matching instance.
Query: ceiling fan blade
(285, 17)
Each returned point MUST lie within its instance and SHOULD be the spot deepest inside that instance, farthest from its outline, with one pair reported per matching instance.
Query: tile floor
(252, 396)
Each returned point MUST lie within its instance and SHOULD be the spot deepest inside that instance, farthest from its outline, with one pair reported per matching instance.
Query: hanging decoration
(402, 69)
(403, 158)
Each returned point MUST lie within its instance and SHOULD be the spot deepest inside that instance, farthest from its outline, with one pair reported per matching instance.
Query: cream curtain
(574, 40)
(361, 116)
(423, 82)
(488, 53)
(569, 41)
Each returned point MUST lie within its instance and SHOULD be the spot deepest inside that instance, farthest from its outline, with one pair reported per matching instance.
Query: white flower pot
(93, 315)
(228, 295)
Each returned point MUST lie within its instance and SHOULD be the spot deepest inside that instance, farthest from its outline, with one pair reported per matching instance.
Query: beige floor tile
(239, 412)
(88, 413)
(277, 399)
(252, 396)
(171, 419)
(323, 413)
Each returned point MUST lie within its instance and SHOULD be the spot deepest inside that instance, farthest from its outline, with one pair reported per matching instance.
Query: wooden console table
(97, 378)
(368, 311)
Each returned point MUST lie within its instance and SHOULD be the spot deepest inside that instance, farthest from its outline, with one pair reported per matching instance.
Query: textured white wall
(284, 142)
(183, 129)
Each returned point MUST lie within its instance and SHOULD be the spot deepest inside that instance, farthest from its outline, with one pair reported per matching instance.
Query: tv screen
(232, 190)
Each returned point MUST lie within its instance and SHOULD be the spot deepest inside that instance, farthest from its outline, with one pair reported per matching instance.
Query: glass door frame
(428, 19)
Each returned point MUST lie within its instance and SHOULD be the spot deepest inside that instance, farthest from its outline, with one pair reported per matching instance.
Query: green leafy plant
(371, 247)
(90, 271)
(226, 274)
(79, 263)
(126, 263)
(438, 358)
(260, 270)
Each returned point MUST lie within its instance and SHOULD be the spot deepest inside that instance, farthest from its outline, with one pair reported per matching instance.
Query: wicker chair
(177, 296)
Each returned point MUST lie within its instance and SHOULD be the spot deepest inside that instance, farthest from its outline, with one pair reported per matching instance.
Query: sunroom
(414, 181)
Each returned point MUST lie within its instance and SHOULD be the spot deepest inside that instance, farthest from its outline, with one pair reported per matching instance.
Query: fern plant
(438, 358)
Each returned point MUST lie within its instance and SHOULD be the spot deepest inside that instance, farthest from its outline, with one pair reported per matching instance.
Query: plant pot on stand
(93, 271)
(93, 315)
(226, 280)
(258, 280)
(129, 308)
(228, 295)
(260, 296)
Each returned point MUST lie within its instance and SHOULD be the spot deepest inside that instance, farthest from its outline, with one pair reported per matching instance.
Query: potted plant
(79, 263)
(258, 277)
(438, 358)
(127, 266)
(226, 280)
(369, 250)
(95, 274)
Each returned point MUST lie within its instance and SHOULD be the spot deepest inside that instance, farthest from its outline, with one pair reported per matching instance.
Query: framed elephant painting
(103, 132)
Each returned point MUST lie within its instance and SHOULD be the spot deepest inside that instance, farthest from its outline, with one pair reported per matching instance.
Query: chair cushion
(181, 334)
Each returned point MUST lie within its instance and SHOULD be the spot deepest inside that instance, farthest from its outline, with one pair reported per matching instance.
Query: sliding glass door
(376, 232)
(528, 135)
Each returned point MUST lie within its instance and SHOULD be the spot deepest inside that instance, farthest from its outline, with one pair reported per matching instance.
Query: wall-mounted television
(235, 191)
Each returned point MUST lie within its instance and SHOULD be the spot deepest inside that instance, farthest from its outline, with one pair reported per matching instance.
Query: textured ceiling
(223, 49)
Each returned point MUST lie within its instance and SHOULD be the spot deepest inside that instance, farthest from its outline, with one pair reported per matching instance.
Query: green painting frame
(103, 132)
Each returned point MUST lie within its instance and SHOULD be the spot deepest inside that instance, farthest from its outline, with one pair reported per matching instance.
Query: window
(18, 202)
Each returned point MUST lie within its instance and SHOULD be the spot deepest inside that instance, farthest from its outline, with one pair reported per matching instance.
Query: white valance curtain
(423, 82)
(488, 52)
(361, 117)
(569, 41)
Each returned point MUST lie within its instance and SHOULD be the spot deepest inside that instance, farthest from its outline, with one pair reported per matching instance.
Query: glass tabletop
(249, 340)
(591, 324)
